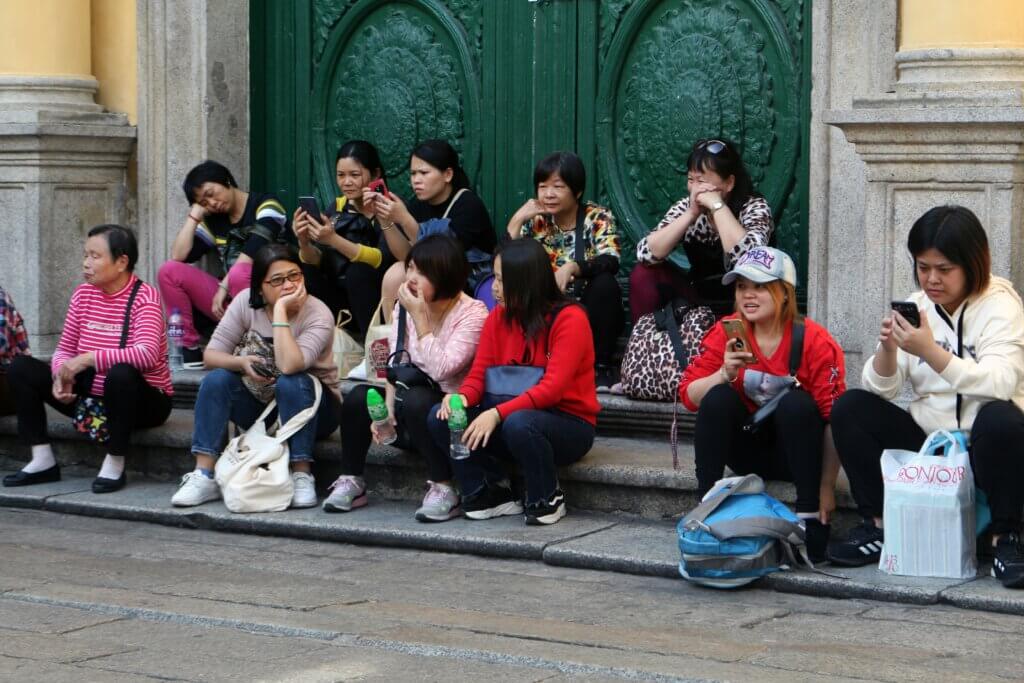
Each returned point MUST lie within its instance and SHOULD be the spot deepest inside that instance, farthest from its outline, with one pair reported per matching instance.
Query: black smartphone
(310, 206)
(908, 309)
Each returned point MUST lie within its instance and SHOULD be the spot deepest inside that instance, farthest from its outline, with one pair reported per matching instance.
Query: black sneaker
(547, 512)
(862, 546)
(192, 358)
(1008, 563)
(817, 540)
(493, 501)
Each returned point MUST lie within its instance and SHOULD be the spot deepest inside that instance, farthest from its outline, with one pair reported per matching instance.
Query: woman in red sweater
(552, 422)
(728, 382)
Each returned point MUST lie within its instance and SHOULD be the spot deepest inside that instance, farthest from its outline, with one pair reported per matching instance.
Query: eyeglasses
(278, 280)
(712, 146)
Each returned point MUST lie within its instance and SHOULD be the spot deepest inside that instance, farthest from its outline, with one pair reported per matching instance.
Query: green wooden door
(627, 84)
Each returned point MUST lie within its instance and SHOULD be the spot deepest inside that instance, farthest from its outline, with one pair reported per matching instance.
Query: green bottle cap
(456, 403)
(373, 398)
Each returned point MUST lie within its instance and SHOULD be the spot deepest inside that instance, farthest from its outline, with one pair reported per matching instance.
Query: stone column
(62, 160)
(193, 105)
(950, 130)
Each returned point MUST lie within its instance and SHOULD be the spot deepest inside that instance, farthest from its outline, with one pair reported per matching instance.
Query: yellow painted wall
(45, 37)
(114, 55)
(961, 23)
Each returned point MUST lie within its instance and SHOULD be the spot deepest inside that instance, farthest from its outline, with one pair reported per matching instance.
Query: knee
(998, 421)
(604, 287)
(798, 408)
(721, 399)
(239, 277)
(354, 401)
(519, 425)
(20, 368)
(417, 402)
(171, 272)
(437, 427)
(119, 377)
(393, 277)
(219, 381)
(293, 386)
(848, 407)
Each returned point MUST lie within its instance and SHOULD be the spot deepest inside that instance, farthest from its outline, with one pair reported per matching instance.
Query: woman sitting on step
(109, 371)
(223, 220)
(530, 392)
(964, 359)
(553, 218)
(442, 330)
(748, 361)
(272, 342)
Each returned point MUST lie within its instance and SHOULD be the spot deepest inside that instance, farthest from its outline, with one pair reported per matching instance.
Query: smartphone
(909, 310)
(378, 186)
(310, 206)
(735, 329)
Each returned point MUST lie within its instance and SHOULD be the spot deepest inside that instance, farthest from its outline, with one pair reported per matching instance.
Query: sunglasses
(278, 280)
(712, 146)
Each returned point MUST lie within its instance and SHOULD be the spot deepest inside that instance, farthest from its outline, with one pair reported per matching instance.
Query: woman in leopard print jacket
(720, 219)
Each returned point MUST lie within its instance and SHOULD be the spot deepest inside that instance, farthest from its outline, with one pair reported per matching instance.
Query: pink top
(446, 354)
(313, 330)
(94, 322)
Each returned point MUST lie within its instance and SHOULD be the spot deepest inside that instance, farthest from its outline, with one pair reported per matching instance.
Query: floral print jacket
(599, 234)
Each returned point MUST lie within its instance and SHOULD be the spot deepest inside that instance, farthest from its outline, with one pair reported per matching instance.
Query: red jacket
(822, 371)
(568, 382)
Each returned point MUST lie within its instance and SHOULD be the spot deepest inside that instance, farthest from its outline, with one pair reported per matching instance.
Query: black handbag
(505, 382)
(796, 351)
(402, 373)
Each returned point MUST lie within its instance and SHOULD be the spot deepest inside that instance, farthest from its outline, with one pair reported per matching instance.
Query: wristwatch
(716, 206)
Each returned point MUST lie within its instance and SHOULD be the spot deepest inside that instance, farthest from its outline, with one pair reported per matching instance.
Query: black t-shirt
(469, 219)
(349, 223)
(263, 221)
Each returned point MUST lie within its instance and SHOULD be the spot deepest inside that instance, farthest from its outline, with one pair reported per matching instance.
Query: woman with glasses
(721, 217)
(273, 340)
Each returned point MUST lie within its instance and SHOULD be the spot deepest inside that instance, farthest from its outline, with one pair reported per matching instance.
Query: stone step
(619, 416)
(621, 474)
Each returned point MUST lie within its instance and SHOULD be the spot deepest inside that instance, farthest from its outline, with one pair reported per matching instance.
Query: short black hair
(365, 153)
(121, 241)
(207, 172)
(956, 233)
(529, 286)
(725, 162)
(569, 168)
(442, 260)
(442, 156)
(266, 257)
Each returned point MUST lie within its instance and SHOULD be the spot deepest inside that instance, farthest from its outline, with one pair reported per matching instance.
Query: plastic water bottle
(175, 337)
(457, 423)
(378, 410)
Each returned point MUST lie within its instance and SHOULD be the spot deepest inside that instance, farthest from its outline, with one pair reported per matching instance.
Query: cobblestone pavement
(86, 599)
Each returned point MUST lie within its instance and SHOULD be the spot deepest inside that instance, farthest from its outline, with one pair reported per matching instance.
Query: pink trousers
(186, 287)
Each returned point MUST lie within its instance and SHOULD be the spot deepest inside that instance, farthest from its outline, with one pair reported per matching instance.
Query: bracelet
(221, 285)
(197, 220)
(725, 377)
(387, 226)
(498, 414)
(280, 324)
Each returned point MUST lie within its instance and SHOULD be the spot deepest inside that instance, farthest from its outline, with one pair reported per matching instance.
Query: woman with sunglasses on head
(272, 338)
(346, 250)
(224, 220)
(721, 217)
(553, 218)
(964, 358)
(729, 381)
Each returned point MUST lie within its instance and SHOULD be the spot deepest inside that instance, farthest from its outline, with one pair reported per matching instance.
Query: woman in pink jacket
(442, 329)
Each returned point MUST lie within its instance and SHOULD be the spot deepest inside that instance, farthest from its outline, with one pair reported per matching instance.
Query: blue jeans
(223, 397)
(539, 440)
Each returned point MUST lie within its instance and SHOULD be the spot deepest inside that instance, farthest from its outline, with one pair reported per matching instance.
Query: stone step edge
(854, 584)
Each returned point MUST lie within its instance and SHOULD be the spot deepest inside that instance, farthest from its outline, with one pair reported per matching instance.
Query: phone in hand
(310, 206)
(909, 310)
(378, 186)
(736, 329)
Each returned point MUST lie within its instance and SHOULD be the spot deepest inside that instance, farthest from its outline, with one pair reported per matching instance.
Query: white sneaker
(358, 372)
(305, 490)
(196, 488)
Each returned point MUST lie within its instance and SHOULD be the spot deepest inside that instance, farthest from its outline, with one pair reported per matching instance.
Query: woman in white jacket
(965, 363)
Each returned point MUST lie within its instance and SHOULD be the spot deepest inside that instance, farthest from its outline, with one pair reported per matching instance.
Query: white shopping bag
(929, 513)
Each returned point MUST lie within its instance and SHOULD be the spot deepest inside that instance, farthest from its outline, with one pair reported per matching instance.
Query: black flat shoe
(28, 478)
(104, 485)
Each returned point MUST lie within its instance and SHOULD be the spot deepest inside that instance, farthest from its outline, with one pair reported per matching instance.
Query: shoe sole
(198, 365)
(510, 508)
(851, 563)
(192, 505)
(551, 518)
(424, 517)
(359, 502)
(1019, 583)
(303, 506)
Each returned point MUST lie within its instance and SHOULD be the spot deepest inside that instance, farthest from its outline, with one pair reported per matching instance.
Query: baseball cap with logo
(763, 264)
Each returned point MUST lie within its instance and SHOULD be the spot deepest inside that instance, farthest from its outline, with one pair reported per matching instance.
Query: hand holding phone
(909, 311)
(378, 186)
(310, 206)
(735, 329)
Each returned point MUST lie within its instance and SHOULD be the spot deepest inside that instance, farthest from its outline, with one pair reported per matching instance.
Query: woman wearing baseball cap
(734, 383)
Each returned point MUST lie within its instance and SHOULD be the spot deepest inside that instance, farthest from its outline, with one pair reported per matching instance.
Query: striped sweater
(94, 323)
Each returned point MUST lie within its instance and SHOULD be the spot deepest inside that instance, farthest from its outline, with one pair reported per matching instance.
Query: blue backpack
(738, 534)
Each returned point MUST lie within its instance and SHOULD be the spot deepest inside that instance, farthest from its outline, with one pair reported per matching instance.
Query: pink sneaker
(348, 492)
(440, 504)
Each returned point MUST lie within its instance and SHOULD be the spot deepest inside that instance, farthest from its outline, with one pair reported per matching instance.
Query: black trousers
(358, 290)
(864, 424)
(131, 402)
(410, 414)
(602, 297)
(788, 449)
(6, 400)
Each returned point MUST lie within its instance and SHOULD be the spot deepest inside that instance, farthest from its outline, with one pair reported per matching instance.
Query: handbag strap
(454, 199)
(301, 418)
(796, 348)
(344, 318)
(128, 313)
(579, 247)
(666, 318)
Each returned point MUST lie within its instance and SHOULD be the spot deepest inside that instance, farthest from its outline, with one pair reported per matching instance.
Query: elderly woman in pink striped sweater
(110, 367)
(441, 331)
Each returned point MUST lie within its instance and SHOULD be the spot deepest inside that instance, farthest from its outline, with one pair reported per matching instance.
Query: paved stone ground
(88, 599)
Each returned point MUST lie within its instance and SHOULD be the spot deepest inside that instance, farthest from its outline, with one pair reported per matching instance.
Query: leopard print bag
(650, 369)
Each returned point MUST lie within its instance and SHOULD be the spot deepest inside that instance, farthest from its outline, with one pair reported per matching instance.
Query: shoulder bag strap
(580, 248)
(400, 344)
(454, 199)
(796, 348)
(128, 313)
(301, 418)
